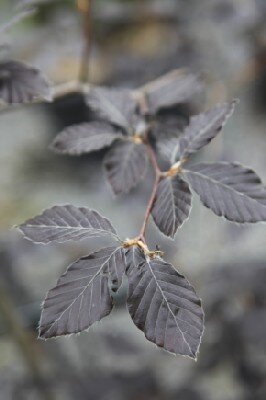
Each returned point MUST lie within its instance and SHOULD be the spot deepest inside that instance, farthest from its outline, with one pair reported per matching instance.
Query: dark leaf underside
(85, 138)
(163, 304)
(125, 165)
(113, 105)
(63, 223)
(81, 296)
(229, 190)
(171, 89)
(172, 204)
(203, 128)
(20, 83)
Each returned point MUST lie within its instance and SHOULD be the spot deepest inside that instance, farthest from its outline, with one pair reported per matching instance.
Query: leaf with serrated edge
(85, 138)
(20, 83)
(163, 304)
(203, 128)
(125, 165)
(113, 105)
(172, 204)
(63, 223)
(81, 296)
(229, 190)
(173, 88)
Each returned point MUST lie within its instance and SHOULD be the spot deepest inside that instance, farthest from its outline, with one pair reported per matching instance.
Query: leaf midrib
(81, 293)
(116, 111)
(231, 188)
(202, 131)
(169, 308)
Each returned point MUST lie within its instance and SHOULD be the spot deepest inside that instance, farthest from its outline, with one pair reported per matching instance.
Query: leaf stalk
(158, 175)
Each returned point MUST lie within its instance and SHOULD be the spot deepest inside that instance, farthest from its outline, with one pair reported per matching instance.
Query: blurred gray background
(133, 41)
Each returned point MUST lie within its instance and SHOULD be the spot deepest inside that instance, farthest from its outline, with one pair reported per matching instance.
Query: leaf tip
(57, 146)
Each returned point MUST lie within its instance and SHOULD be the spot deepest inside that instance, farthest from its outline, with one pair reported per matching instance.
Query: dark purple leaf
(116, 268)
(20, 83)
(166, 130)
(203, 128)
(171, 89)
(229, 190)
(113, 105)
(63, 223)
(163, 304)
(125, 165)
(172, 204)
(166, 148)
(85, 138)
(81, 295)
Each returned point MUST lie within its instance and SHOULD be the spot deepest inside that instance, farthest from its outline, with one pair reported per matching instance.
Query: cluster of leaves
(126, 117)
(128, 121)
(161, 302)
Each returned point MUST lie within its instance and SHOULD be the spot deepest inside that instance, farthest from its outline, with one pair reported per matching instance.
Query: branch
(158, 175)
(85, 7)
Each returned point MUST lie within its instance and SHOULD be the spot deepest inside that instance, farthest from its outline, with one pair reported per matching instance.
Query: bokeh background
(133, 41)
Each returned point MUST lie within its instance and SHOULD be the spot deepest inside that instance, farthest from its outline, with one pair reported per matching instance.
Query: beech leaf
(81, 295)
(172, 204)
(167, 130)
(63, 223)
(173, 88)
(203, 128)
(115, 106)
(125, 165)
(163, 304)
(20, 83)
(165, 148)
(85, 138)
(229, 190)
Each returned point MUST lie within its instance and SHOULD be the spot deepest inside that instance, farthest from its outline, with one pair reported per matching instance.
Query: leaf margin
(129, 270)
(41, 335)
(112, 231)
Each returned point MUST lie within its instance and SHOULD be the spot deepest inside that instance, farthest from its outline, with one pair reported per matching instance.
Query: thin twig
(142, 100)
(85, 7)
(158, 175)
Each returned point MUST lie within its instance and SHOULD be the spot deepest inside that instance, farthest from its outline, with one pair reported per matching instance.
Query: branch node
(138, 139)
(175, 168)
(139, 242)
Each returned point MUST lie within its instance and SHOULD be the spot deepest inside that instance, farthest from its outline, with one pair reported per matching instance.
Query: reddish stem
(158, 175)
